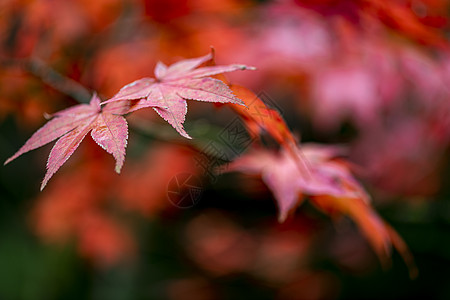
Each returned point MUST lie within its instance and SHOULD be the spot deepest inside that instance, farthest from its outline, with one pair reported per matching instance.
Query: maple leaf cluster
(312, 170)
(298, 172)
(102, 238)
(167, 95)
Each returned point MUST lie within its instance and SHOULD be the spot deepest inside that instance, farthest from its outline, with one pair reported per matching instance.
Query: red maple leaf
(281, 174)
(330, 186)
(175, 84)
(259, 119)
(71, 125)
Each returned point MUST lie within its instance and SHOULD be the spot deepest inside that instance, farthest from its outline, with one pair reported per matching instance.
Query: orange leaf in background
(218, 245)
(15, 99)
(416, 20)
(103, 240)
(222, 247)
(101, 13)
(58, 23)
(258, 116)
(380, 234)
(111, 68)
(59, 208)
(144, 185)
(73, 208)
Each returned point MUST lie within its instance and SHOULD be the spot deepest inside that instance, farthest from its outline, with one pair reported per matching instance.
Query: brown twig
(48, 75)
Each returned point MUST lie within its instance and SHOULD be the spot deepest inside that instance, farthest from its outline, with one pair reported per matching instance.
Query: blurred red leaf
(218, 245)
(103, 240)
(258, 116)
(330, 185)
(144, 184)
(411, 19)
(282, 175)
(101, 13)
(74, 208)
(165, 11)
(221, 246)
(403, 19)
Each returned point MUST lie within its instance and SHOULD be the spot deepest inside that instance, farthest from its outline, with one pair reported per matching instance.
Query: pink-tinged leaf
(71, 125)
(126, 107)
(76, 111)
(203, 89)
(118, 107)
(274, 175)
(379, 234)
(175, 116)
(81, 110)
(330, 187)
(174, 85)
(138, 89)
(111, 133)
(183, 66)
(48, 133)
(281, 174)
(144, 103)
(160, 70)
(210, 71)
(64, 121)
(281, 187)
(95, 102)
(64, 148)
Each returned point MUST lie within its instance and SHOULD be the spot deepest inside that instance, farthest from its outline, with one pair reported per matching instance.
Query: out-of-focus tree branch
(51, 77)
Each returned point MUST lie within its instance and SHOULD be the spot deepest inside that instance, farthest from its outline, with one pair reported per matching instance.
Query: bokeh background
(373, 75)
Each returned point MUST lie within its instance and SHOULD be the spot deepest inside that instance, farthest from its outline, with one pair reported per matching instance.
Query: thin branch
(52, 78)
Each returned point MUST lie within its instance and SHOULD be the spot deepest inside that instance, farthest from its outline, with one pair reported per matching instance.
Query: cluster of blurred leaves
(372, 74)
